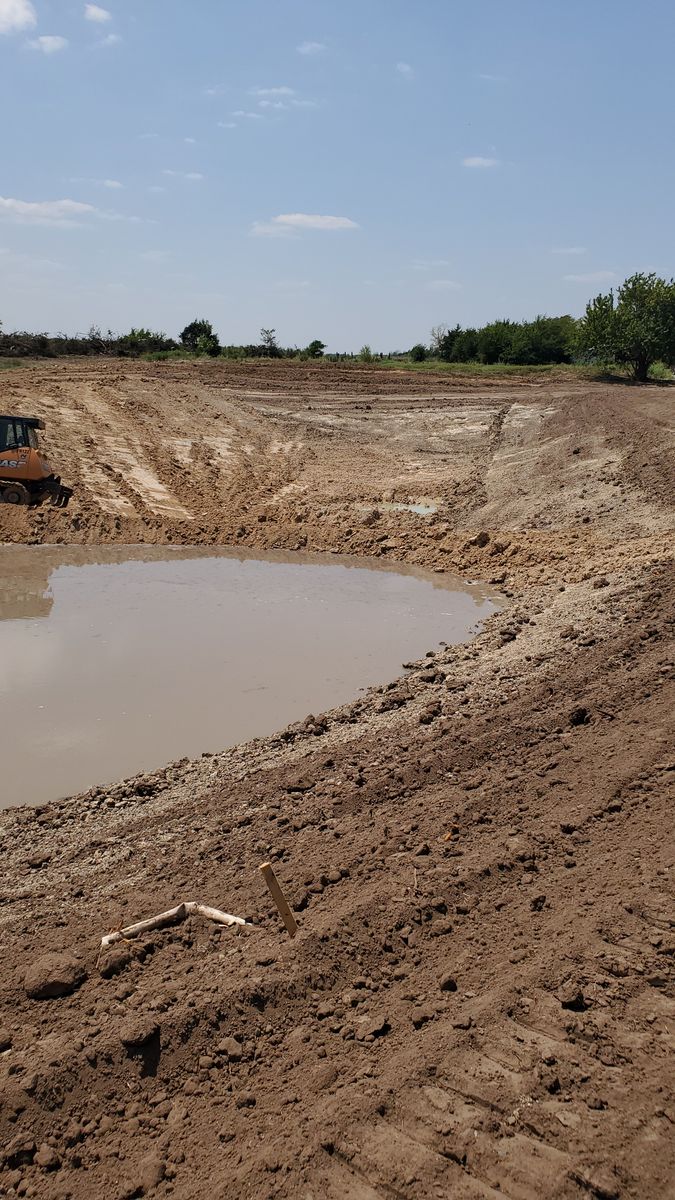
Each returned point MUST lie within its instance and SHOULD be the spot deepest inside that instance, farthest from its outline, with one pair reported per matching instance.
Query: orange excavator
(25, 475)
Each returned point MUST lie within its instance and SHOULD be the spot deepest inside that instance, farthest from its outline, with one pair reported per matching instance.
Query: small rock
(325, 1078)
(5, 1040)
(52, 976)
(150, 1172)
(138, 1030)
(419, 1016)
(231, 1048)
(447, 983)
(20, 1152)
(375, 1026)
(245, 1100)
(177, 1115)
(47, 1158)
(115, 961)
(571, 996)
(38, 860)
(463, 1023)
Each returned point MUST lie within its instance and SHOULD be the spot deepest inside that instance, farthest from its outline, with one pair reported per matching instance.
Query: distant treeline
(544, 340)
(633, 329)
(198, 338)
(522, 343)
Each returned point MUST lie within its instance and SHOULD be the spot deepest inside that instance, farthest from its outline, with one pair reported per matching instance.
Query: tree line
(198, 338)
(634, 329)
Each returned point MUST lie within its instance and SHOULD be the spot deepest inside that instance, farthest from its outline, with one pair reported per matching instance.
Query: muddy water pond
(117, 660)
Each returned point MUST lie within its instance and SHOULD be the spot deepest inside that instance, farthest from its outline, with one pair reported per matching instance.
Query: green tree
(544, 340)
(269, 345)
(141, 341)
(199, 338)
(315, 349)
(495, 341)
(365, 354)
(635, 328)
(418, 353)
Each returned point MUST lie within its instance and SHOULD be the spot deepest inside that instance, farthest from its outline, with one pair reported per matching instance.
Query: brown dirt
(479, 1002)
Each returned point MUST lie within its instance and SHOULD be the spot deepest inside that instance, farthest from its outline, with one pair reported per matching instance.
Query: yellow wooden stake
(279, 898)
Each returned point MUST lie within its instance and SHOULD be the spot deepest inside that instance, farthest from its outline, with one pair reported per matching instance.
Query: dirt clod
(52, 976)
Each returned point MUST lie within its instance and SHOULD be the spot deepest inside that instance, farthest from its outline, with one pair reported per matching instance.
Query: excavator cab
(25, 475)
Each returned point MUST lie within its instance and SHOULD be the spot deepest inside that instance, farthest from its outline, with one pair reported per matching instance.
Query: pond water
(117, 660)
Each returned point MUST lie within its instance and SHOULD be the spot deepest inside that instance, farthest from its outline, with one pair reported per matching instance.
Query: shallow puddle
(421, 509)
(118, 660)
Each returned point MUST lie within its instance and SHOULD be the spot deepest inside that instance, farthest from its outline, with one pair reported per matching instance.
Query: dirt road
(479, 1002)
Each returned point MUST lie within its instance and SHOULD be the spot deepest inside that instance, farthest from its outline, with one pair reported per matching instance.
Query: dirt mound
(479, 1001)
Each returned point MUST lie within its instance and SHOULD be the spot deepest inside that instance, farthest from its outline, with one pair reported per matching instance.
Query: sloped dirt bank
(479, 1002)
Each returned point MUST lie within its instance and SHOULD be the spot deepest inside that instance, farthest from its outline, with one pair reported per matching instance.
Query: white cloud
(16, 15)
(250, 116)
(492, 78)
(405, 70)
(287, 105)
(269, 229)
(93, 12)
(569, 250)
(227, 125)
(273, 91)
(313, 221)
(111, 39)
(310, 48)
(479, 163)
(62, 213)
(49, 44)
(443, 285)
(190, 141)
(45, 212)
(196, 176)
(591, 277)
(111, 184)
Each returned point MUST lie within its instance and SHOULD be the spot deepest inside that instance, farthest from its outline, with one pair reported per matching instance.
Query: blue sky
(356, 172)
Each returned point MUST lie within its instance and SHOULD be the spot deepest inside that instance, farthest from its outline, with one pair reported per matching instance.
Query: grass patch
(7, 364)
(483, 369)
